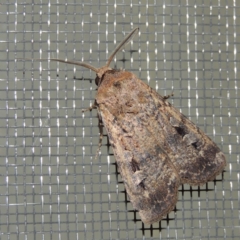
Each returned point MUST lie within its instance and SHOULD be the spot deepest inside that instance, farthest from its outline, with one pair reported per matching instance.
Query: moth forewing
(149, 176)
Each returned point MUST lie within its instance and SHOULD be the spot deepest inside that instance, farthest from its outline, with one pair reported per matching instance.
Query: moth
(155, 146)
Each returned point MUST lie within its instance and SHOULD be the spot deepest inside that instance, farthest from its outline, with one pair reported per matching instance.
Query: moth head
(101, 71)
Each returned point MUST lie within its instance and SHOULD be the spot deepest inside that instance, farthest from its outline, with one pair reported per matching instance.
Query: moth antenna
(98, 71)
(122, 45)
(82, 64)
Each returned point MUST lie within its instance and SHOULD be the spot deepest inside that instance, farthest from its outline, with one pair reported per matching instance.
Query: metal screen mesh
(51, 187)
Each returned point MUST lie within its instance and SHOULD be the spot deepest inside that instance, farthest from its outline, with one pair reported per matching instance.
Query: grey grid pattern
(51, 187)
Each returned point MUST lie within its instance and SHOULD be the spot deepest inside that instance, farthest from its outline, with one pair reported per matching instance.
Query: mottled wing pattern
(196, 158)
(155, 146)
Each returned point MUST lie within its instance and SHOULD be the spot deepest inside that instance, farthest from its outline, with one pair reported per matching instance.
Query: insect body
(156, 147)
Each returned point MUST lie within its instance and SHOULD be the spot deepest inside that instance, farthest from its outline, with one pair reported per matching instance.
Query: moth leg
(94, 105)
(168, 96)
(100, 125)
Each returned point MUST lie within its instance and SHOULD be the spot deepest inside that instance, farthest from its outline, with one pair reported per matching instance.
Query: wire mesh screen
(52, 187)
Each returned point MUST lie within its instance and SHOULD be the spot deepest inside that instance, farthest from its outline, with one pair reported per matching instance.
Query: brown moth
(156, 147)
